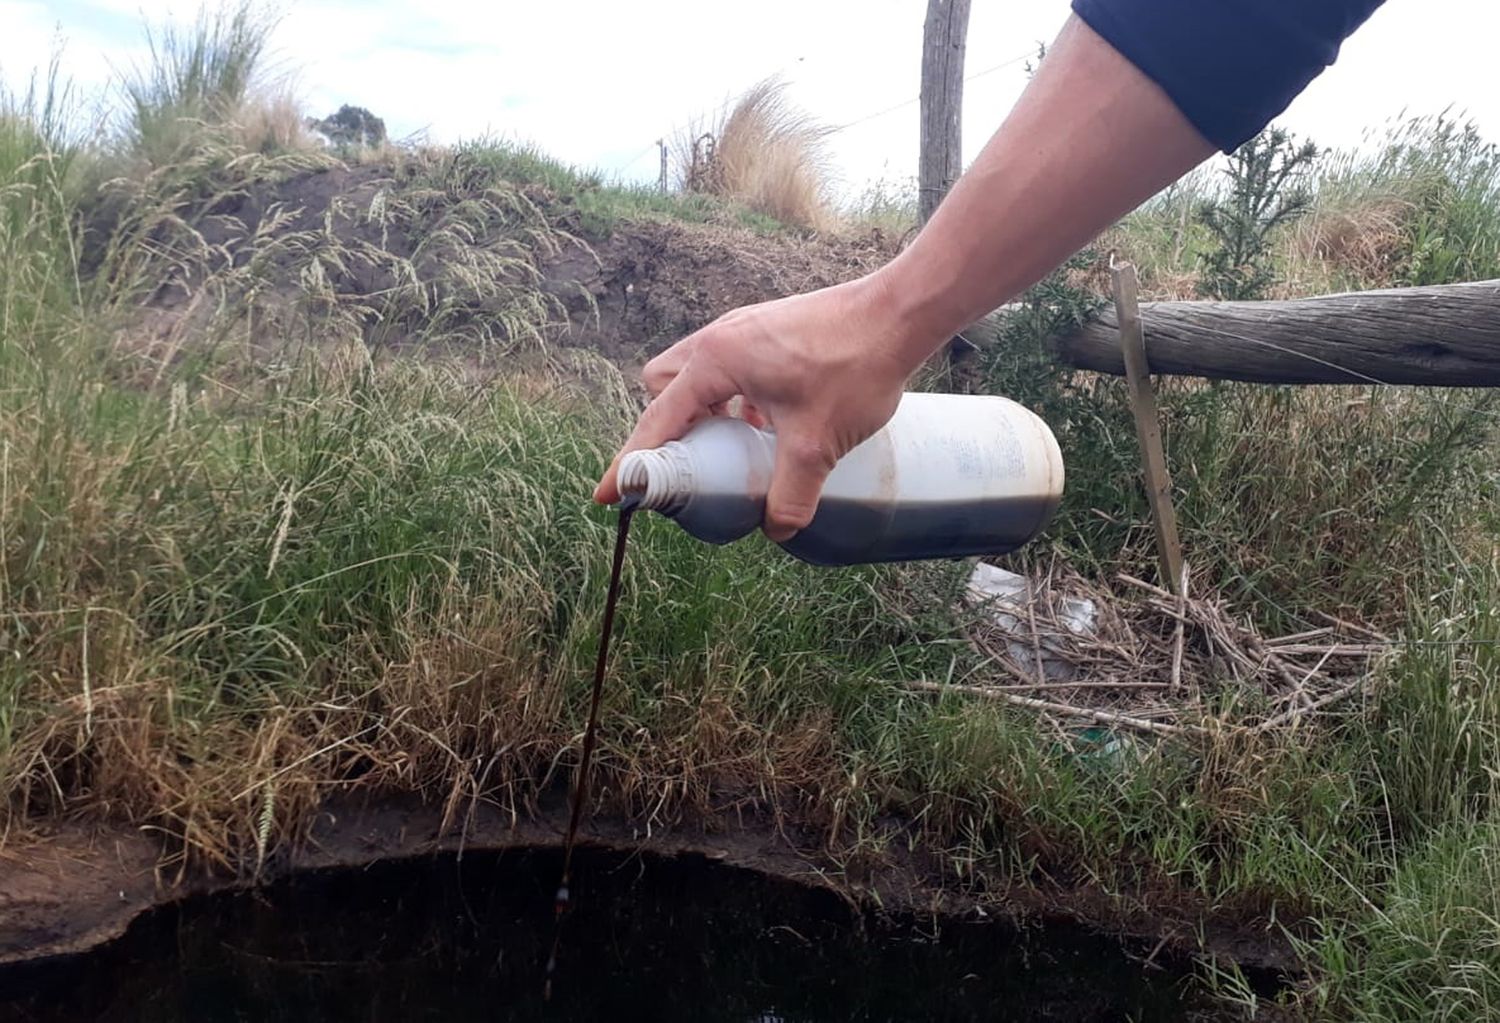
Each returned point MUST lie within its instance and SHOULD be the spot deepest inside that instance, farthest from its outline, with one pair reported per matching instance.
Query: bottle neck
(661, 479)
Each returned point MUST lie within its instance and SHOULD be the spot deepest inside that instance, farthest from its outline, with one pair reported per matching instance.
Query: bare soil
(654, 281)
(626, 296)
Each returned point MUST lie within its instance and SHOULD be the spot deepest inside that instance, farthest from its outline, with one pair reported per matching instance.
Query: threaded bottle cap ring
(661, 478)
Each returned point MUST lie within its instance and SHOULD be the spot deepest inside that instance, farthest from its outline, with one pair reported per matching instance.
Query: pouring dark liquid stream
(581, 786)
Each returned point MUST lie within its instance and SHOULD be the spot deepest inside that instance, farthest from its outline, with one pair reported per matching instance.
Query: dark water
(647, 939)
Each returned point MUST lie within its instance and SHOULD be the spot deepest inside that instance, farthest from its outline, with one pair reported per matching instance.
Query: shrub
(351, 126)
(1265, 192)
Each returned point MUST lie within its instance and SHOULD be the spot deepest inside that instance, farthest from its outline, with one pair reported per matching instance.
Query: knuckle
(655, 375)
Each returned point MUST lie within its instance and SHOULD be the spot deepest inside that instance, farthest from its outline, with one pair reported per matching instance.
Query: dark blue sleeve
(1229, 65)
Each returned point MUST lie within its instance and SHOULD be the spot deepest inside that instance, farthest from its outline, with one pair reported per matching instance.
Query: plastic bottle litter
(949, 476)
(1006, 595)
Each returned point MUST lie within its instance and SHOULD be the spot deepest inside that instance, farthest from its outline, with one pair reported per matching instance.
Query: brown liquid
(855, 533)
(838, 535)
(590, 731)
(841, 532)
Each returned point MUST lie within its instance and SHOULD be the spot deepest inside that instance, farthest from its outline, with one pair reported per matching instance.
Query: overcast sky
(596, 82)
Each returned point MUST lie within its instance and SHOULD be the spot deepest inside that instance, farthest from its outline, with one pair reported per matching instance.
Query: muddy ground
(660, 280)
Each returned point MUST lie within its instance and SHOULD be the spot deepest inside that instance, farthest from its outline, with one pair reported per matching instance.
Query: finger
(687, 399)
(660, 371)
(803, 463)
(752, 414)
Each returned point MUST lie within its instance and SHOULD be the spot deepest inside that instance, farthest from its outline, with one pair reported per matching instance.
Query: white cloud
(595, 82)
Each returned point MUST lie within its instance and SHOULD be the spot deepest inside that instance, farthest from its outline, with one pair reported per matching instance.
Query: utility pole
(661, 183)
(941, 158)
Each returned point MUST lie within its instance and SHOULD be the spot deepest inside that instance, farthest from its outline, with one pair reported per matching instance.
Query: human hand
(825, 370)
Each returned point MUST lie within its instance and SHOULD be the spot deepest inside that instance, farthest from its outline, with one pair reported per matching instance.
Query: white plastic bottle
(950, 475)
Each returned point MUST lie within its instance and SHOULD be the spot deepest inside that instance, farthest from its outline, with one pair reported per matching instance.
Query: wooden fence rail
(1445, 336)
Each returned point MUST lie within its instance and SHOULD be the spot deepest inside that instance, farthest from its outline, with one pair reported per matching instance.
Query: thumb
(803, 462)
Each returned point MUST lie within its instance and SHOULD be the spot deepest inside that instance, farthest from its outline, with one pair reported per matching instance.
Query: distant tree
(1266, 190)
(351, 126)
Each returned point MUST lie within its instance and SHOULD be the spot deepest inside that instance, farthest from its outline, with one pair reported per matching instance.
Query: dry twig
(1152, 656)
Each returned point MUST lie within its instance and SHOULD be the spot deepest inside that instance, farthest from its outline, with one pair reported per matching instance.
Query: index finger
(689, 397)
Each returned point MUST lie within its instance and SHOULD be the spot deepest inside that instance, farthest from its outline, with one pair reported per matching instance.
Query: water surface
(647, 939)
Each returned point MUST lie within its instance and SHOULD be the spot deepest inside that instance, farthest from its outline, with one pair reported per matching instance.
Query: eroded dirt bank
(80, 884)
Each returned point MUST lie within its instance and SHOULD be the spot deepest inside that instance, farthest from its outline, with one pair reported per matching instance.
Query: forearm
(1091, 138)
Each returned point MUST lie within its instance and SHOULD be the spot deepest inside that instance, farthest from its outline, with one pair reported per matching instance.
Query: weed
(885, 205)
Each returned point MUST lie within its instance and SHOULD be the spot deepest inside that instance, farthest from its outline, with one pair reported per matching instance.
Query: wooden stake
(1147, 427)
(1179, 634)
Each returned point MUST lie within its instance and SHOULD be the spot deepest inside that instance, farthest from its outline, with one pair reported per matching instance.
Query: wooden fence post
(941, 159)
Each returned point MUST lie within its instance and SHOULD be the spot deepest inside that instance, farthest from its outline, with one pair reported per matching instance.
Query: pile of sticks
(1160, 663)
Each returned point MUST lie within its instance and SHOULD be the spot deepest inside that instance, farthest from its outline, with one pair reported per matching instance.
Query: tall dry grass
(209, 84)
(766, 154)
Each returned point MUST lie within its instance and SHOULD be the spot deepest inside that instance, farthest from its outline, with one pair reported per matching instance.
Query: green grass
(600, 206)
(245, 573)
(195, 82)
(38, 241)
(1429, 950)
(1418, 203)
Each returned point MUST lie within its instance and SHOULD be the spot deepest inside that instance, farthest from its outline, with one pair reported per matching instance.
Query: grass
(1429, 951)
(284, 561)
(1419, 203)
(764, 154)
(1427, 194)
(596, 207)
(884, 205)
(209, 83)
(40, 246)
